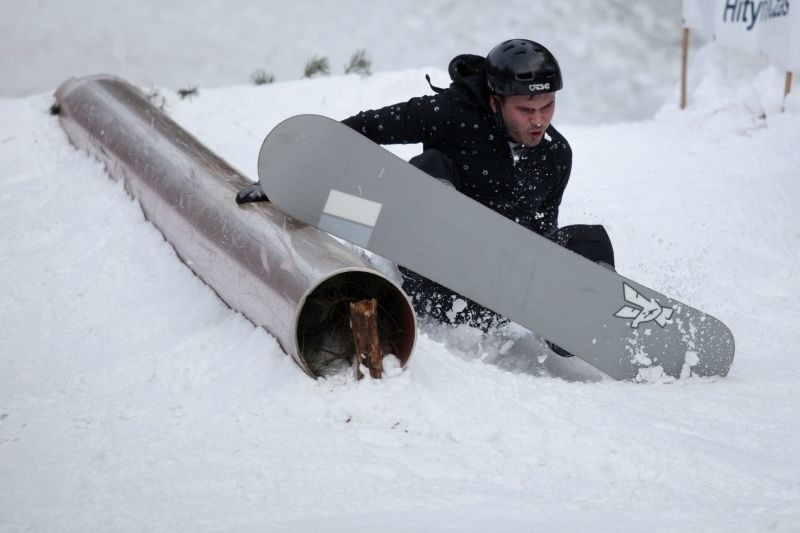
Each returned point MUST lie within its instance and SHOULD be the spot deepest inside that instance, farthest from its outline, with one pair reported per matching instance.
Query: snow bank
(620, 60)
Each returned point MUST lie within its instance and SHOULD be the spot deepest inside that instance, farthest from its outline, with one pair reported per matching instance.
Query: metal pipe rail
(275, 271)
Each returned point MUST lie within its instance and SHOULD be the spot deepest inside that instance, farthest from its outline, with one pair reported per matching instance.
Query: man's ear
(493, 103)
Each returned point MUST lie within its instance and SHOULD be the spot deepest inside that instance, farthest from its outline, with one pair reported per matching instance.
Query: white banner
(766, 27)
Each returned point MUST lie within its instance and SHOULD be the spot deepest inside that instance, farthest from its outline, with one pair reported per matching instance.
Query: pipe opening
(324, 336)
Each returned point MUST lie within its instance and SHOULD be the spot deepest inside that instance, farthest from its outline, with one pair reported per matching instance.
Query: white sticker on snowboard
(352, 208)
(350, 217)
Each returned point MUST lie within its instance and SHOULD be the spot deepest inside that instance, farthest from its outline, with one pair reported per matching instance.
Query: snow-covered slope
(131, 398)
(620, 59)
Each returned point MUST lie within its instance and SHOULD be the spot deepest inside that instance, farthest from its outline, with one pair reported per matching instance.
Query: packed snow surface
(133, 399)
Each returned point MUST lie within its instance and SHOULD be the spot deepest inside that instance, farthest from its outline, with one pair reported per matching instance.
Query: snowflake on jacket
(523, 184)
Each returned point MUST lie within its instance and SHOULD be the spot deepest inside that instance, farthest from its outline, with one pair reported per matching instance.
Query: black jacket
(459, 122)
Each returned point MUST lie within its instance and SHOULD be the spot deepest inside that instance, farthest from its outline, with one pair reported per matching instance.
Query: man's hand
(252, 193)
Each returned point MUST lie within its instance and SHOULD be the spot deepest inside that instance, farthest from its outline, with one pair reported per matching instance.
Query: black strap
(437, 90)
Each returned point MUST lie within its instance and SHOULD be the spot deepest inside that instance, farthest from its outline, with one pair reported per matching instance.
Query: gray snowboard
(323, 173)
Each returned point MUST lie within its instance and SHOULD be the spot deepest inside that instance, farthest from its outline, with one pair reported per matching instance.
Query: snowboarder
(489, 136)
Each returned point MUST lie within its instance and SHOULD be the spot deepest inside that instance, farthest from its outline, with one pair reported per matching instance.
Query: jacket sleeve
(424, 119)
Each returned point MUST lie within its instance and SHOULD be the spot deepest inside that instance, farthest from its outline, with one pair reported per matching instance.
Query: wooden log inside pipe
(364, 322)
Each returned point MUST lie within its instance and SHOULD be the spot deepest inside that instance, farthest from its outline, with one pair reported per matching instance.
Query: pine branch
(317, 65)
(262, 77)
(360, 63)
(188, 92)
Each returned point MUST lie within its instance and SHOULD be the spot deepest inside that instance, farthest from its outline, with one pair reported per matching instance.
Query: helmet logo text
(539, 86)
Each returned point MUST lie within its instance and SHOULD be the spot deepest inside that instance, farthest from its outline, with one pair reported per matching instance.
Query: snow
(132, 398)
(181, 44)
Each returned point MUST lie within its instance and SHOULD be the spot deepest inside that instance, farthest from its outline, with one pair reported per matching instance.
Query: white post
(684, 60)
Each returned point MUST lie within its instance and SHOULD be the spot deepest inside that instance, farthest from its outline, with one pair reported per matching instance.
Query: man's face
(526, 117)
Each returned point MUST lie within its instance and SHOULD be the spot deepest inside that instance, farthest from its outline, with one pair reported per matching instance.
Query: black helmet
(520, 66)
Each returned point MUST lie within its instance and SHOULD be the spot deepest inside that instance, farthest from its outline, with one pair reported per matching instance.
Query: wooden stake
(364, 322)
(786, 90)
(684, 61)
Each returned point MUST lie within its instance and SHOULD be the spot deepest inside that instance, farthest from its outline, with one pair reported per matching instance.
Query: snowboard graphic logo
(646, 309)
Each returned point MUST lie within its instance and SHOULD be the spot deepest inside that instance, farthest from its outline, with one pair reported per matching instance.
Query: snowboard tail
(323, 173)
